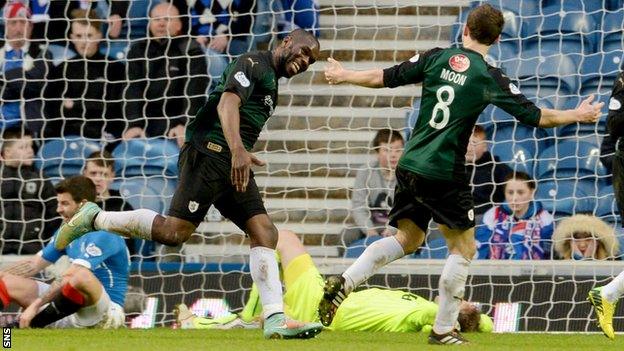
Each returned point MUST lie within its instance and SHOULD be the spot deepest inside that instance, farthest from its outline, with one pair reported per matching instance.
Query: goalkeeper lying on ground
(365, 310)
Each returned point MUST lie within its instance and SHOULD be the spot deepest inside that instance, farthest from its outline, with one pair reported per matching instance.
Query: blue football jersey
(105, 254)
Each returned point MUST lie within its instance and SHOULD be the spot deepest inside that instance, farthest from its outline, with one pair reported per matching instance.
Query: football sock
(377, 255)
(253, 307)
(5, 299)
(132, 224)
(615, 289)
(265, 274)
(451, 286)
(68, 302)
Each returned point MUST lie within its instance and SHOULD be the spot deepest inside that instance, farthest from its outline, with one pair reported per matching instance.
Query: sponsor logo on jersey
(453, 77)
(514, 89)
(193, 206)
(414, 58)
(93, 250)
(614, 104)
(459, 63)
(242, 79)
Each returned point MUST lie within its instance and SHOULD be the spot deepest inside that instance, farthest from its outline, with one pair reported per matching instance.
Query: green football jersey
(253, 78)
(384, 310)
(457, 85)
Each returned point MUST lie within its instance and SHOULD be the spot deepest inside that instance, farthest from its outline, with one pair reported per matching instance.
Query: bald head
(165, 21)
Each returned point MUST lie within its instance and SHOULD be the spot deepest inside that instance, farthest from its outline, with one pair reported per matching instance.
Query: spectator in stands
(100, 168)
(51, 17)
(282, 16)
(23, 66)
(519, 229)
(486, 172)
(220, 26)
(373, 190)
(27, 201)
(168, 78)
(86, 94)
(585, 237)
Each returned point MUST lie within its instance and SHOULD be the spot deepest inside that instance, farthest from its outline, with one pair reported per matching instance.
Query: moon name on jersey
(453, 77)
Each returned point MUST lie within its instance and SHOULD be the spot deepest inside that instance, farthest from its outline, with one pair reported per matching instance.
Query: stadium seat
(145, 157)
(548, 73)
(433, 249)
(356, 248)
(568, 30)
(60, 158)
(566, 197)
(610, 32)
(143, 192)
(587, 6)
(515, 156)
(570, 159)
(508, 134)
(60, 53)
(599, 72)
(523, 8)
(606, 207)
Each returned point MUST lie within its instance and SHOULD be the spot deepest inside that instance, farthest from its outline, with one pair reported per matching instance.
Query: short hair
(11, 135)
(101, 158)
(87, 18)
(79, 187)
(469, 322)
(386, 136)
(485, 24)
(518, 175)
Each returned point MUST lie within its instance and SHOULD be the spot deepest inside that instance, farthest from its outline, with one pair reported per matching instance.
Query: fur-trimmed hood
(566, 228)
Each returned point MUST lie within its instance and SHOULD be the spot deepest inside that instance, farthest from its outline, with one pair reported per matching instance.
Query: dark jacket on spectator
(168, 81)
(27, 209)
(95, 86)
(26, 84)
(486, 178)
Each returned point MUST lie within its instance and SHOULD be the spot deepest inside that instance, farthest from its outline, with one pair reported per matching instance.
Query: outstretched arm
(586, 112)
(27, 267)
(336, 74)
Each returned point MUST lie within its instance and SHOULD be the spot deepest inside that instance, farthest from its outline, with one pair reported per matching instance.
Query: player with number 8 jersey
(432, 183)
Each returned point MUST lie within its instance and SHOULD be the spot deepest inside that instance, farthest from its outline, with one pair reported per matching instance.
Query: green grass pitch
(249, 340)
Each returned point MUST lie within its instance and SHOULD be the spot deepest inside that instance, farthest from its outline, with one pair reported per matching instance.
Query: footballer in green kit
(432, 183)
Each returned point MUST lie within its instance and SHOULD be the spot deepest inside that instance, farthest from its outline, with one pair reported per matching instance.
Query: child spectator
(519, 229)
(373, 190)
(585, 237)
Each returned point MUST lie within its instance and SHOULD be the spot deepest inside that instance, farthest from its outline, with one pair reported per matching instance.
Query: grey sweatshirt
(372, 196)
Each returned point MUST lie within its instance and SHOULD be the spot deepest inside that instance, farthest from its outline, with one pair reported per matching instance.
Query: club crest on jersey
(459, 63)
(242, 79)
(93, 250)
(193, 206)
(514, 89)
(614, 104)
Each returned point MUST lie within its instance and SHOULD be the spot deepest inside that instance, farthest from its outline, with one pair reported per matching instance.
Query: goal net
(320, 137)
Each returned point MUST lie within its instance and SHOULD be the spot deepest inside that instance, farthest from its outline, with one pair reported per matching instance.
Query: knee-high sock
(615, 289)
(265, 274)
(377, 255)
(68, 302)
(131, 224)
(452, 285)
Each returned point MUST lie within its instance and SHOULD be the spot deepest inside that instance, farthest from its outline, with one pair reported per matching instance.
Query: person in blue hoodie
(520, 228)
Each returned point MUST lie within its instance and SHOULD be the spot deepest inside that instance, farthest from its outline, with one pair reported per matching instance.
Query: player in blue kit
(90, 293)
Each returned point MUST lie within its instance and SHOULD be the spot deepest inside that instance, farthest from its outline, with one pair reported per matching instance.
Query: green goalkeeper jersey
(457, 85)
(384, 310)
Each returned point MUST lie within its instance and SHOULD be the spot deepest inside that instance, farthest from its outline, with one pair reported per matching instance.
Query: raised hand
(334, 72)
(588, 112)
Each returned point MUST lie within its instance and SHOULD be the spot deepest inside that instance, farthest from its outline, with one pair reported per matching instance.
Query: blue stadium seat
(139, 194)
(567, 30)
(115, 49)
(610, 32)
(60, 158)
(570, 159)
(60, 53)
(522, 7)
(356, 248)
(508, 134)
(566, 197)
(587, 6)
(551, 73)
(599, 72)
(515, 157)
(433, 249)
(606, 207)
(145, 157)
